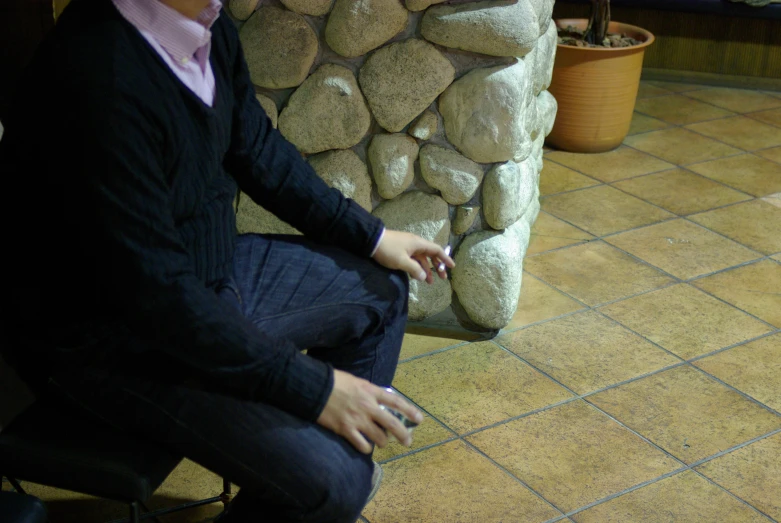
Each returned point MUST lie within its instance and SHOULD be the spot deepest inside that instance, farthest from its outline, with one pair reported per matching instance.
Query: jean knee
(400, 297)
(345, 492)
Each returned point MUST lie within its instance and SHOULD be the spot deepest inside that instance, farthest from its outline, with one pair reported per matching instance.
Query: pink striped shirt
(183, 43)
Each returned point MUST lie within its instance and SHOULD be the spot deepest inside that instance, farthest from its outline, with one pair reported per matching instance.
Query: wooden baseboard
(720, 80)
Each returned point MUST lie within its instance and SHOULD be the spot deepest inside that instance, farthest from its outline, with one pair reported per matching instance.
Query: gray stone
(280, 47)
(426, 215)
(356, 27)
(547, 108)
(533, 210)
(420, 5)
(427, 300)
(493, 27)
(544, 11)
(327, 112)
(392, 158)
(537, 154)
(465, 218)
(484, 113)
(252, 218)
(507, 191)
(545, 58)
(309, 7)
(269, 107)
(451, 173)
(242, 9)
(345, 171)
(402, 79)
(425, 126)
(487, 275)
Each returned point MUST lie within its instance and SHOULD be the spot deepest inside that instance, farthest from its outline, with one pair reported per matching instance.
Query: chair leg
(135, 513)
(15, 484)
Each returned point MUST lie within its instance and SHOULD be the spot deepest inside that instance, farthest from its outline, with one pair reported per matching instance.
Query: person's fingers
(358, 441)
(398, 403)
(373, 429)
(412, 267)
(392, 424)
(435, 252)
(426, 266)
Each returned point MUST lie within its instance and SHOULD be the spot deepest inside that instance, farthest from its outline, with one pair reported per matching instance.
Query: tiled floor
(640, 379)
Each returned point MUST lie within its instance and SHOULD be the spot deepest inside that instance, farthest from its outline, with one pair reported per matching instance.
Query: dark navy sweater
(127, 181)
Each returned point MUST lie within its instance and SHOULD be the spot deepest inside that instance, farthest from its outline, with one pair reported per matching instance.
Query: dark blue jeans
(342, 309)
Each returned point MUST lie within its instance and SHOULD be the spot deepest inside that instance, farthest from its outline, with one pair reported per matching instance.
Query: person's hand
(353, 411)
(414, 255)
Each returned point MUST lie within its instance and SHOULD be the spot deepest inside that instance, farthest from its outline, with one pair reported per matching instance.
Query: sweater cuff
(377, 245)
(307, 386)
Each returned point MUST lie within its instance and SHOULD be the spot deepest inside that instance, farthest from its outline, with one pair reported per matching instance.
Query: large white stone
(425, 126)
(507, 191)
(392, 158)
(252, 218)
(426, 215)
(493, 27)
(269, 107)
(465, 218)
(355, 27)
(401, 80)
(309, 7)
(533, 210)
(487, 275)
(547, 108)
(345, 171)
(427, 300)
(537, 154)
(451, 173)
(328, 111)
(484, 113)
(546, 57)
(420, 5)
(280, 47)
(242, 9)
(544, 11)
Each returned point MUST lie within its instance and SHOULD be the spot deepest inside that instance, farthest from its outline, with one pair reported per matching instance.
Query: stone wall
(431, 116)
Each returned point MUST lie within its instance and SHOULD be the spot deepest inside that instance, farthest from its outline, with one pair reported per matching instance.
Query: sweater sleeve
(273, 173)
(152, 280)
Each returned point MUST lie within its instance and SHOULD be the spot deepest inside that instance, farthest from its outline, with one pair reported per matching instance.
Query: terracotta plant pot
(596, 89)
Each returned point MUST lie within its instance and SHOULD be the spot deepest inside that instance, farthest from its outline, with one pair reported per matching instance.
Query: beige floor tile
(754, 288)
(755, 224)
(549, 233)
(603, 210)
(677, 87)
(556, 178)
(748, 173)
(687, 413)
(681, 191)
(427, 433)
(595, 273)
(476, 385)
(773, 154)
(648, 90)
(586, 351)
(740, 131)
(573, 454)
(685, 321)
(753, 473)
(643, 124)
(618, 164)
(753, 368)
(417, 344)
(679, 109)
(682, 248)
(777, 257)
(737, 100)
(680, 146)
(685, 497)
(772, 116)
(453, 482)
(539, 301)
(773, 199)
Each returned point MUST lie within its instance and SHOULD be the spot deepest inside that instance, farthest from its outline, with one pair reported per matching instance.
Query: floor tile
(773, 154)
(539, 301)
(648, 90)
(681, 191)
(753, 368)
(777, 257)
(685, 497)
(752, 473)
(603, 210)
(748, 173)
(687, 413)
(595, 273)
(740, 131)
(773, 199)
(685, 321)
(772, 116)
(618, 164)
(737, 100)
(573, 454)
(682, 248)
(427, 433)
(453, 482)
(473, 386)
(643, 124)
(755, 224)
(549, 233)
(556, 178)
(676, 87)
(678, 109)
(680, 146)
(417, 344)
(586, 351)
(754, 288)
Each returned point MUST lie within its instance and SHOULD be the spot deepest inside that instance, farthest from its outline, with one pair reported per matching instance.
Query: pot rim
(623, 28)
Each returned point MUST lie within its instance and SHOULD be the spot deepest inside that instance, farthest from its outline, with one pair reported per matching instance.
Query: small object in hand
(408, 423)
(441, 266)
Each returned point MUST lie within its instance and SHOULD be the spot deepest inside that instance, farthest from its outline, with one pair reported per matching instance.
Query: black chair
(21, 508)
(51, 444)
